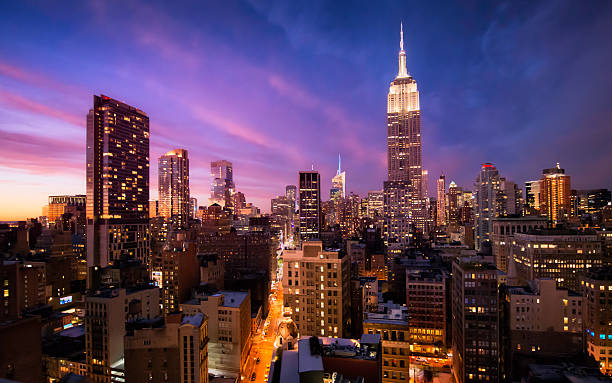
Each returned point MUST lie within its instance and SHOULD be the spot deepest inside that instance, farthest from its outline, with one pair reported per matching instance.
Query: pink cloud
(13, 100)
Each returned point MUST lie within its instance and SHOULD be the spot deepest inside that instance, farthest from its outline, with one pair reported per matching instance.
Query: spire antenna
(401, 36)
(339, 163)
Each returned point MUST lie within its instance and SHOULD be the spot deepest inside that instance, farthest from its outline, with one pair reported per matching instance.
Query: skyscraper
(404, 186)
(555, 194)
(310, 204)
(486, 203)
(117, 182)
(173, 187)
(222, 186)
(532, 197)
(455, 203)
(441, 201)
(338, 189)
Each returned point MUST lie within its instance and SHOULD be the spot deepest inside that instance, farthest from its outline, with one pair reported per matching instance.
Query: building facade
(117, 183)
(222, 184)
(597, 290)
(173, 186)
(486, 203)
(229, 329)
(555, 190)
(316, 290)
(477, 320)
(310, 205)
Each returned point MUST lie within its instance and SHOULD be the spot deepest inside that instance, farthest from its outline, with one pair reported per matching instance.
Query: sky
(280, 86)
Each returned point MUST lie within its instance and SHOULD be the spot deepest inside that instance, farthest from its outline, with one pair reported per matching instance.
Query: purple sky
(276, 86)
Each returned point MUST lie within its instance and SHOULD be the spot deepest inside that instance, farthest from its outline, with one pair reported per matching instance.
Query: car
(257, 360)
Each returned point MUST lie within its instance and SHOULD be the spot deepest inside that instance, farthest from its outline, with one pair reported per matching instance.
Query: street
(265, 338)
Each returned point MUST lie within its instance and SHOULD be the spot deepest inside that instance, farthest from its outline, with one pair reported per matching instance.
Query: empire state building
(404, 127)
(405, 206)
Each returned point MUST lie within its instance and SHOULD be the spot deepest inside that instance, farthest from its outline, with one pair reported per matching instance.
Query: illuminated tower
(441, 202)
(117, 182)
(310, 204)
(555, 194)
(222, 186)
(405, 206)
(174, 187)
(338, 188)
(486, 203)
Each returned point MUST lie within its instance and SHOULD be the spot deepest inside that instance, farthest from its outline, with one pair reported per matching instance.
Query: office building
(338, 189)
(173, 186)
(222, 184)
(425, 183)
(391, 323)
(316, 290)
(23, 287)
(310, 205)
(58, 203)
(477, 320)
(544, 320)
(559, 254)
(106, 312)
(375, 204)
(597, 290)
(532, 197)
(404, 188)
(193, 208)
(229, 328)
(502, 237)
(486, 203)
(174, 350)
(21, 350)
(180, 274)
(555, 191)
(511, 198)
(117, 183)
(441, 202)
(153, 208)
(591, 201)
(427, 303)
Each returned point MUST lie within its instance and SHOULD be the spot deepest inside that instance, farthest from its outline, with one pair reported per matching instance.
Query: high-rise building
(392, 324)
(510, 198)
(486, 203)
(117, 182)
(193, 208)
(502, 236)
(425, 184)
(174, 350)
(310, 204)
(441, 201)
(222, 185)
(559, 254)
(426, 299)
(180, 273)
(338, 189)
(555, 194)
(404, 186)
(229, 329)
(106, 312)
(153, 208)
(455, 203)
(375, 204)
(477, 320)
(316, 289)
(291, 194)
(59, 203)
(544, 320)
(532, 197)
(173, 187)
(597, 289)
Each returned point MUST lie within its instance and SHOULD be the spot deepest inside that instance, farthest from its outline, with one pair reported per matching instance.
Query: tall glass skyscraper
(173, 187)
(222, 185)
(405, 204)
(117, 182)
(310, 205)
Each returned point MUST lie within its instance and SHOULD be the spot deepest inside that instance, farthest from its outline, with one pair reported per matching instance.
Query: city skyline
(39, 162)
